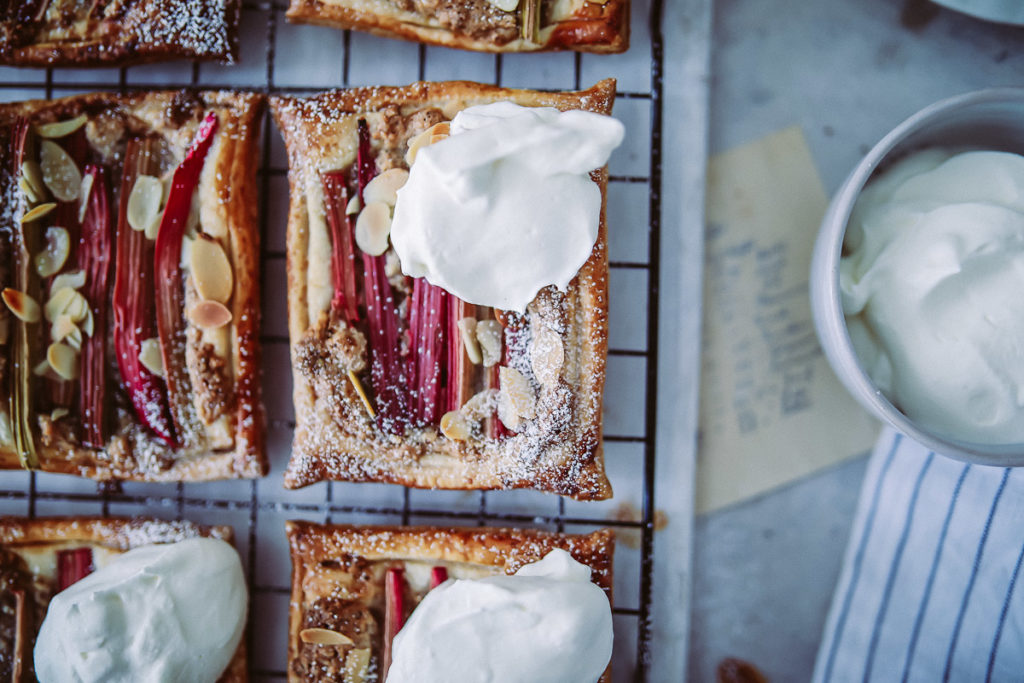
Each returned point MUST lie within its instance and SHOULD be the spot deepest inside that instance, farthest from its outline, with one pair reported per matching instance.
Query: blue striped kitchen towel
(931, 587)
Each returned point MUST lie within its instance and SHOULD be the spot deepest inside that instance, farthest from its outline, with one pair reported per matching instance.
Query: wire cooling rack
(277, 57)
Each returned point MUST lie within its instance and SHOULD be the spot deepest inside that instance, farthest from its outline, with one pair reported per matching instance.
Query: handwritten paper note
(771, 409)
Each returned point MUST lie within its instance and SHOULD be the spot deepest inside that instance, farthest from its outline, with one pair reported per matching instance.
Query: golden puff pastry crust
(338, 573)
(560, 449)
(583, 25)
(35, 543)
(117, 32)
(222, 366)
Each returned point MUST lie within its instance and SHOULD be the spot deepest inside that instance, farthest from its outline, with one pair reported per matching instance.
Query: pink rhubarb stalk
(394, 615)
(133, 305)
(73, 566)
(170, 291)
(438, 575)
(343, 257)
(94, 259)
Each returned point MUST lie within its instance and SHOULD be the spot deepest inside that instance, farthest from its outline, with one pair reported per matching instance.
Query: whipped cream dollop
(505, 205)
(170, 612)
(547, 623)
(933, 290)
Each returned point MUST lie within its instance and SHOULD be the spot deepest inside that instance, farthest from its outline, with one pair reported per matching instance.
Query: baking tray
(655, 227)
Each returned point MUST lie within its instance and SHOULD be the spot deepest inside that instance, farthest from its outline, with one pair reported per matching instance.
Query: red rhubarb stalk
(343, 256)
(386, 372)
(94, 260)
(22, 639)
(170, 291)
(430, 359)
(133, 305)
(73, 566)
(456, 389)
(438, 575)
(394, 615)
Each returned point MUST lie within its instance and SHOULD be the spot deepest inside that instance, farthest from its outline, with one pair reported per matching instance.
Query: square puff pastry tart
(113, 32)
(550, 437)
(481, 25)
(339, 574)
(37, 555)
(127, 353)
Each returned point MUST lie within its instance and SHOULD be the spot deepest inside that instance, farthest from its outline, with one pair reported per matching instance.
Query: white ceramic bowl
(985, 119)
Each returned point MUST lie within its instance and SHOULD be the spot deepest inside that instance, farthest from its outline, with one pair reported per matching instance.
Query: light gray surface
(847, 71)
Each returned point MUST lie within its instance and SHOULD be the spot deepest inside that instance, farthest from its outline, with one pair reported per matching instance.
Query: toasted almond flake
(357, 665)
(211, 270)
(33, 175)
(59, 129)
(60, 172)
(507, 412)
(26, 189)
(505, 5)
(84, 194)
(144, 202)
(358, 386)
(489, 333)
(324, 636)
(73, 279)
(518, 390)
(58, 413)
(546, 355)
(480, 405)
(38, 212)
(455, 426)
(62, 327)
(58, 303)
(438, 137)
(467, 326)
(21, 305)
(209, 315)
(77, 308)
(373, 227)
(42, 368)
(384, 187)
(150, 356)
(55, 254)
(153, 228)
(64, 360)
(88, 323)
(6, 434)
(354, 206)
(426, 138)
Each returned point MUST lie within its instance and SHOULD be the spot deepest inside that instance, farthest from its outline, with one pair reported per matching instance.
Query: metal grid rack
(256, 508)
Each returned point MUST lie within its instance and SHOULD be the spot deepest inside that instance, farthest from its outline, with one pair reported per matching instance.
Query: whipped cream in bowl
(916, 277)
(547, 623)
(505, 206)
(164, 612)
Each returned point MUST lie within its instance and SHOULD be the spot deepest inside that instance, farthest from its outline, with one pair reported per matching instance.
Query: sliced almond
(505, 5)
(74, 279)
(77, 308)
(357, 665)
(373, 227)
(507, 412)
(144, 202)
(59, 129)
(324, 636)
(455, 426)
(392, 265)
(62, 327)
(437, 137)
(489, 333)
(211, 270)
(546, 355)
(33, 175)
(26, 189)
(480, 405)
(150, 356)
(518, 390)
(467, 326)
(358, 386)
(55, 254)
(209, 315)
(60, 172)
(58, 413)
(426, 138)
(88, 324)
(38, 212)
(384, 187)
(58, 302)
(353, 206)
(21, 305)
(63, 360)
(84, 194)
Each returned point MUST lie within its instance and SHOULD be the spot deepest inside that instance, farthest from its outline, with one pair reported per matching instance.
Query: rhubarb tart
(119, 600)
(482, 25)
(433, 605)
(129, 330)
(112, 32)
(447, 285)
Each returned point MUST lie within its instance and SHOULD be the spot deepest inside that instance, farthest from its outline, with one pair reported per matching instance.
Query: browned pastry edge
(606, 33)
(159, 42)
(508, 549)
(574, 466)
(240, 118)
(121, 534)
